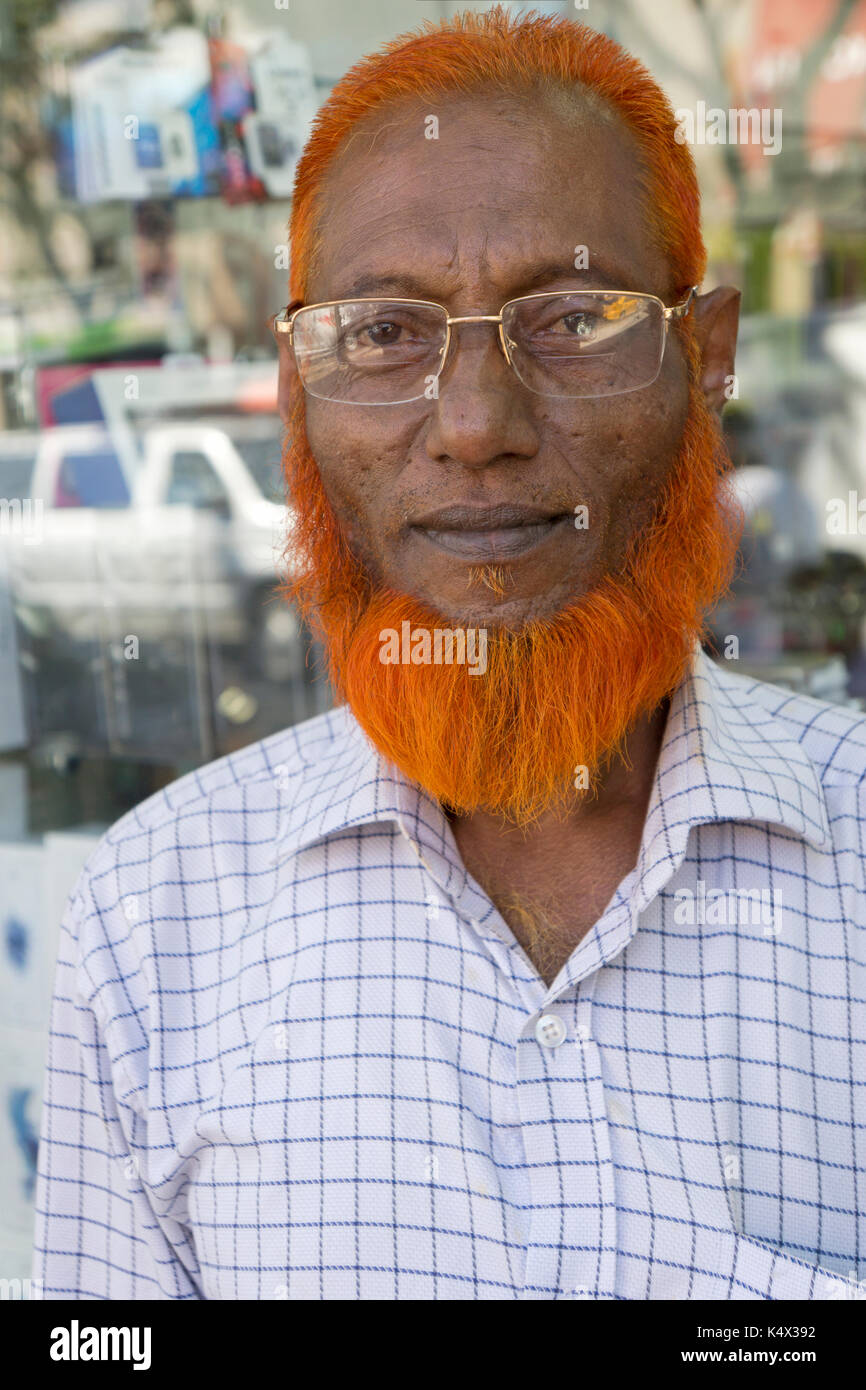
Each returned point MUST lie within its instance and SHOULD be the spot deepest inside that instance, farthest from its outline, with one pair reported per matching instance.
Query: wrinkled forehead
(486, 185)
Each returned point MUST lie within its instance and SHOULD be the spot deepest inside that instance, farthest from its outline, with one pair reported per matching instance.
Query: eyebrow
(598, 272)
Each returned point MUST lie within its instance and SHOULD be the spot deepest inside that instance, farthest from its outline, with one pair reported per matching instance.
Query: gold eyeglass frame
(282, 324)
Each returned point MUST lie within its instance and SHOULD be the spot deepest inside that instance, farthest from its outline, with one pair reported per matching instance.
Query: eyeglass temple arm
(679, 311)
(281, 324)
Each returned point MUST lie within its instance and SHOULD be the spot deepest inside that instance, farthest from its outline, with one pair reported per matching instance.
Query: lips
(486, 534)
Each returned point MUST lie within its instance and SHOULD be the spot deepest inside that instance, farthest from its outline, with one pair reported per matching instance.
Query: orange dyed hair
(514, 53)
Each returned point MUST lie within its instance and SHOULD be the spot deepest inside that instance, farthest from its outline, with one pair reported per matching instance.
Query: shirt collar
(724, 757)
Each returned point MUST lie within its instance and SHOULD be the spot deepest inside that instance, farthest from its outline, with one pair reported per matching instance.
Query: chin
(503, 593)
(487, 608)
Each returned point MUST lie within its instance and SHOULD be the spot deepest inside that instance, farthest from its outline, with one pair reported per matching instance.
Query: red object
(784, 31)
(52, 380)
(232, 98)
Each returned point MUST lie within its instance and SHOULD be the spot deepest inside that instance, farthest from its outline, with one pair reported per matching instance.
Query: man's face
(495, 208)
(591, 627)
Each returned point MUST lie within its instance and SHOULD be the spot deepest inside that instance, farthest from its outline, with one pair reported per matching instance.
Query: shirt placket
(561, 1104)
(571, 1247)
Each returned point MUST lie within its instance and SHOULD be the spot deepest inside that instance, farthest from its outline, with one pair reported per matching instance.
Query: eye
(383, 333)
(580, 325)
(376, 333)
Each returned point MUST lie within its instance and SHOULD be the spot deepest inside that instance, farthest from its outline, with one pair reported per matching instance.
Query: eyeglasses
(571, 343)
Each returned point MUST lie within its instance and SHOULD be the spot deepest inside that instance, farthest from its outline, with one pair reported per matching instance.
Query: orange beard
(558, 694)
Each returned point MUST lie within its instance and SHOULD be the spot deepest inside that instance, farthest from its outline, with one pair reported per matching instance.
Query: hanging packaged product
(142, 121)
(264, 102)
(276, 132)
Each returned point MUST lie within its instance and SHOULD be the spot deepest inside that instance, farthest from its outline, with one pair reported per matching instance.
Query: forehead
(473, 193)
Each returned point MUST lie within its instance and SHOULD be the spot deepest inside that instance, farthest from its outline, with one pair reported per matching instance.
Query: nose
(481, 413)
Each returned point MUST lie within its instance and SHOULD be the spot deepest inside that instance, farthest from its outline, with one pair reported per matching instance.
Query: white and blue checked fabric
(293, 1049)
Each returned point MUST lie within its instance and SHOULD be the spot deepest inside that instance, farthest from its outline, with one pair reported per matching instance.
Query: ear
(289, 381)
(716, 318)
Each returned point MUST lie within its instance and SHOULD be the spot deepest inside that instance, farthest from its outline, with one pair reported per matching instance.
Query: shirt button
(550, 1030)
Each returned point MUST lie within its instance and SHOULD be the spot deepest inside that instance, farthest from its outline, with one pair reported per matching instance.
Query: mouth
(487, 534)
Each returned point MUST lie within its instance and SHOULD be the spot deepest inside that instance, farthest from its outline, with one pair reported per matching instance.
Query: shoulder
(207, 823)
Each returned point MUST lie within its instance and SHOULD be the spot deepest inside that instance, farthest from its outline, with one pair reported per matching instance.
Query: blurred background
(147, 150)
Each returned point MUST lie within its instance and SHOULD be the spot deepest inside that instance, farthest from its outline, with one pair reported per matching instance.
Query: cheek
(650, 422)
(649, 438)
(620, 453)
(357, 466)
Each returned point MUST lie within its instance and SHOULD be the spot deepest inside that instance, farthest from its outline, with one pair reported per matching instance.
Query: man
(534, 969)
